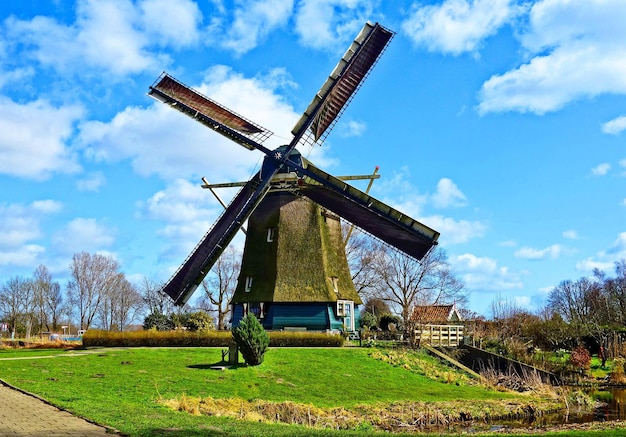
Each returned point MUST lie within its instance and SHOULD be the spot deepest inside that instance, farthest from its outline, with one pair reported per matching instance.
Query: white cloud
(114, 36)
(162, 141)
(455, 231)
(174, 22)
(330, 24)
(577, 51)
(91, 182)
(187, 212)
(457, 26)
(83, 234)
(398, 192)
(604, 260)
(571, 234)
(615, 126)
(253, 21)
(484, 274)
(32, 144)
(601, 169)
(352, 128)
(448, 194)
(551, 252)
(22, 256)
(20, 228)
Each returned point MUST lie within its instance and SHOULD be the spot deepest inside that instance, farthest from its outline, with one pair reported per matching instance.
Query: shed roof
(436, 314)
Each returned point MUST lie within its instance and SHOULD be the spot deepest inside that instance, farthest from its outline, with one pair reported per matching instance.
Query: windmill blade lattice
(343, 83)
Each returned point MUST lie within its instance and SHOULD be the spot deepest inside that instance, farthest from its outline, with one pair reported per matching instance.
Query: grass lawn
(121, 387)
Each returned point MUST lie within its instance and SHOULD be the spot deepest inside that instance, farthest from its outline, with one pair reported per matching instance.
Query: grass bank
(128, 389)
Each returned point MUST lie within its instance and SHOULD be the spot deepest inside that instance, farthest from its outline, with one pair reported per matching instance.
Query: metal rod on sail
(219, 199)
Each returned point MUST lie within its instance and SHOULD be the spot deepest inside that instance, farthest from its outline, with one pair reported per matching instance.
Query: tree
(47, 299)
(199, 321)
(120, 304)
(154, 298)
(158, 321)
(93, 278)
(406, 283)
(16, 297)
(219, 286)
(362, 252)
(251, 339)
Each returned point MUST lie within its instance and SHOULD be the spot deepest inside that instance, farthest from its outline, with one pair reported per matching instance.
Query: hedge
(153, 338)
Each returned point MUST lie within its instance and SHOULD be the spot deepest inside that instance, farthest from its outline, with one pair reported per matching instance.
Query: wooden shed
(437, 325)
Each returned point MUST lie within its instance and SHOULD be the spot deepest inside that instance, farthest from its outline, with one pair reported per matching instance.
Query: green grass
(121, 387)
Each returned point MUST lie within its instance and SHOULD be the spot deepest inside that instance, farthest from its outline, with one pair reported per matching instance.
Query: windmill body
(294, 270)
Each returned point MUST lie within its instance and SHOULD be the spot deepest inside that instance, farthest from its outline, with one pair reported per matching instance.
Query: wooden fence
(439, 335)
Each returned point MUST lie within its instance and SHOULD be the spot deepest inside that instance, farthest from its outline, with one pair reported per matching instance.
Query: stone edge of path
(109, 429)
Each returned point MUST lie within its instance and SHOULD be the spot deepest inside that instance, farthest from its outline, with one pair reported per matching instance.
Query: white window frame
(248, 284)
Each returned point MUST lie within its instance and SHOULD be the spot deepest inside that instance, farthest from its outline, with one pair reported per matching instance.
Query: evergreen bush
(158, 321)
(368, 320)
(199, 321)
(251, 339)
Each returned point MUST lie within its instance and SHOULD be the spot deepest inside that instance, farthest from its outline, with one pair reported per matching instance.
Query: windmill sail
(344, 81)
(184, 282)
(208, 112)
(369, 214)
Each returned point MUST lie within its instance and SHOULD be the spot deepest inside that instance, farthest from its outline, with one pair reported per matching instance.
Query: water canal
(611, 406)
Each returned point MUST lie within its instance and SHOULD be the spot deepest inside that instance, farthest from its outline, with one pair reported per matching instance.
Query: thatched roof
(300, 263)
(434, 314)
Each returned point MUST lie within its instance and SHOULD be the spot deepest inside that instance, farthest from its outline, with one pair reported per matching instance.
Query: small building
(437, 325)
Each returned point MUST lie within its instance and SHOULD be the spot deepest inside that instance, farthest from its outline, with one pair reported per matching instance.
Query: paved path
(23, 415)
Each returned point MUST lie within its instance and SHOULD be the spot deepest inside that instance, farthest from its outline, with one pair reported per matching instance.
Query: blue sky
(499, 123)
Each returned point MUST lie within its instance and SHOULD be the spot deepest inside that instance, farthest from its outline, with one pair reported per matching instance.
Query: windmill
(294, 269)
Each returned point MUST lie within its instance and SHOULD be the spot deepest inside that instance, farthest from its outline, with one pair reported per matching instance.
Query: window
(271, 234)
(248, 283)
(344, 308)
(335, 281)
(341, 309)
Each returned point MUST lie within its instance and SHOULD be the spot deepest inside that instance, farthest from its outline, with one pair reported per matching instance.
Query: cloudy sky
(499, 123)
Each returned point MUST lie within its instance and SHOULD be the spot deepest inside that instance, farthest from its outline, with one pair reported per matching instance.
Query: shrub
(304, 339)
(179, 320)
(368, 320)
(211, 338)
(158, 321)
(251, 339)
(154, 338)
(199, 321)
(580, 358)
(388, 319)
(618, 375)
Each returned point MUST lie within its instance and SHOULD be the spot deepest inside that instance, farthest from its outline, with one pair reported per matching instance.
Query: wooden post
(233, 354)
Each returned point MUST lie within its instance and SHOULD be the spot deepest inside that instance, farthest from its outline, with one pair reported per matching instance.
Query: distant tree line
(589, 311)
(98, 294)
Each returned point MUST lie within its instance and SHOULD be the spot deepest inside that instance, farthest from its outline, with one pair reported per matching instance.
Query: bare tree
(129, 305)
(407, 282)
(92, 278)
(16, 297)
(120, 305)
(155, 300)
(47, 299)
(362, 252)
(220, 285)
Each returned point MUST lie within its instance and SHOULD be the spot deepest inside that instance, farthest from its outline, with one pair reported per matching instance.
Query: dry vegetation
(398, 416)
